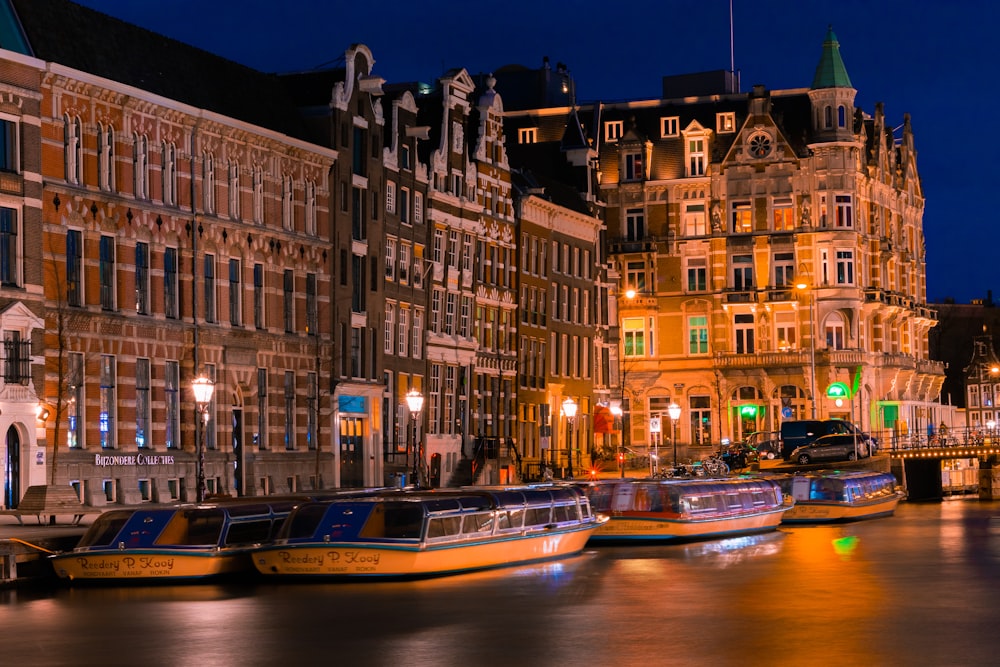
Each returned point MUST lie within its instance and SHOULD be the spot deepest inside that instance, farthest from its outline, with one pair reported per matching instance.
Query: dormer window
(633, 166)
(725, 123)
(527, 135)
(613, 130)
(695, 148)
(669, 126)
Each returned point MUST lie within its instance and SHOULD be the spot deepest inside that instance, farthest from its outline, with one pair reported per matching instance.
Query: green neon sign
(748, 410)
(838, 390)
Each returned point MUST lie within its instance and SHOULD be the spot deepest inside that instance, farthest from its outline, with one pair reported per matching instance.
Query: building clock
(759, 144)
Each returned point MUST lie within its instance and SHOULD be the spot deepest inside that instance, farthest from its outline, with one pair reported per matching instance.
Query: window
(449, 314)
(9, 247)
(467, 254)
(73, 149)
(418, 208)
(613, 130)
(74, 267)
(835, 331)
(258, 194)
(742, 272)
(404, 331)
(404, 262)
(234, 190)
(694, 220)
(844, 211)
(527, 135)
(171, 304)
(235, 293)
(107, 272)
(785, 331)
(143, 436)
(74, 401)
(287, 194)
(725, 122)
(288, 302)
(16, 358)
(169, 167)
(437, 248)
(312, 310)
(390, 197)
(784, 269)
(669, 126)
(142, 278)
(208, 182)
(697, 274)
(261, 436)
(696, 156)
(210, 425)
(744, 334)
(633, 166)
(742, 217)
(9, 160)
(108, 402)
(140, 165)
(390, 259)
(209, 263)
(453, 248)
(404, 156)
(465, 314)
(258, 296)
(106, 157)
(635, 227)
(289, 410)
(634, 333)
(418, 333)
(845, 267)
(698, 334)
(404, 205)
(312, 410)
(310, 213)
(359, 223)
(172, 396)
(390, 325)
(635, 277)
(783, 215)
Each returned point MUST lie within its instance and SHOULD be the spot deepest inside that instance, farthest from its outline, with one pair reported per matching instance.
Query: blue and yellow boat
(429, 533)
(832, 496)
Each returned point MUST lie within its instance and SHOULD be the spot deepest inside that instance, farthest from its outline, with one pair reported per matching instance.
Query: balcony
(621, 246)
(16, 361)
(790, 358)
(740, 297)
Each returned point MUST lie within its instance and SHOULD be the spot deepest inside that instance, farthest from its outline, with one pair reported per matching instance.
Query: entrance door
(12, 470)
(238, 471)
(352, 451)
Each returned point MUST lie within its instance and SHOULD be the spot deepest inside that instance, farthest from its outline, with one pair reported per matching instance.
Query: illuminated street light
(569, 411)
(203, 388)
(415, 402)
(674, 411)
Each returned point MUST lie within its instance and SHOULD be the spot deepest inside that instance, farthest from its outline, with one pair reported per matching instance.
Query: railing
(891, 441)
(16, 361)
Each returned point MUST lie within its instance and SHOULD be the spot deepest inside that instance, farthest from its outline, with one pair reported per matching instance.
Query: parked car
(796, 433)
(833, 447)
(762, 445)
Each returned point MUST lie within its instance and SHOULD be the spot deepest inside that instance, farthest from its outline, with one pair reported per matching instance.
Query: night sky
(931, 59)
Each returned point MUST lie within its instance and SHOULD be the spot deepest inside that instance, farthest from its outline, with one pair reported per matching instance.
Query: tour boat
(654, 510)
(429, 533)
(827, 496)
(173, 542)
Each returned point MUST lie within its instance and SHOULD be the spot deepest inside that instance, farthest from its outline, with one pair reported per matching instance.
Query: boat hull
(648, 527)
(821, 511)
(359, 559)
(152, 565)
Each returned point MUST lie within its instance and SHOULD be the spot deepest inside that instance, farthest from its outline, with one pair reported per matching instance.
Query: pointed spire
(831, 73)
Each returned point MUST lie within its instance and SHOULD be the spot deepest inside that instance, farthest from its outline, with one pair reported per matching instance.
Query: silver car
(833, 447)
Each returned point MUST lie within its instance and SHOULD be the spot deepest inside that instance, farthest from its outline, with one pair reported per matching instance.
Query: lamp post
(674, 411)
(616, 410)
(654, 431)
(415, 402)
(569, 411)
(803, 285)
(203, 388)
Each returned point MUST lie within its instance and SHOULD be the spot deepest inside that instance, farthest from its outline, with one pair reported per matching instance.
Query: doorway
(12, 470)
(352, 449)
(238, 471)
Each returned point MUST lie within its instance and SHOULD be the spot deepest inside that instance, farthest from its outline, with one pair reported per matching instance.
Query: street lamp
(654, 431)
(803, 285)
(415, 402)
(569, 411)
(674, 411)
(203, 388)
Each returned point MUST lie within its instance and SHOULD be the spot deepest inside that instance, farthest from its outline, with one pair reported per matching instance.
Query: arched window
(73, 148)
(140, 165)
(835, 331)
(106, 156)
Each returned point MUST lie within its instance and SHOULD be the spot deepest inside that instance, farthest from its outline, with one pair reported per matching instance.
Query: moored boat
(652, 510)
(827, 496)
(429, 533)
(173, 542)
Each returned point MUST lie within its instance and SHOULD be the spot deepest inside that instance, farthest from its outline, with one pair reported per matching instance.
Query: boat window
(249, 532)
(303, 521)
(478, 523)
(193, 527)
(476, 503)
(560, 514)
(442, 504)
(444, 526)
(510, 520)
(537, 516)
(402, 521)
(105, 528)
(509, 498)
(600, 496)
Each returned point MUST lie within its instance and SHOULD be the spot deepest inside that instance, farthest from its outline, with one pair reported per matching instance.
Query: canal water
(919, 588)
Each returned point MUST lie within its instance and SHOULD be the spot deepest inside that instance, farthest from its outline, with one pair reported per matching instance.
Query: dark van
(804, 431)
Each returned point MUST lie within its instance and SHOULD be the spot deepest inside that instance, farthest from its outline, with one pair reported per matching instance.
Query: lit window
(613, 130)
(669, 126)
(784, 214)
(527, 135)
(725, 122)
(742, 217)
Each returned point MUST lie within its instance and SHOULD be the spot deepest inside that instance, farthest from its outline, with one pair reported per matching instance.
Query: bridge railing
(889, 440)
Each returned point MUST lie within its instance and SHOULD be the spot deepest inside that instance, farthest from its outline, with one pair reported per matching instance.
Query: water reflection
(917, 588)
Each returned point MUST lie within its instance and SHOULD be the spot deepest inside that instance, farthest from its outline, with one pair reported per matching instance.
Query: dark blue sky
(932, 59)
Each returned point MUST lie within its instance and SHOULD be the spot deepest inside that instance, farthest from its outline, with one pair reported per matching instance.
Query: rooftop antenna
(732, 47)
